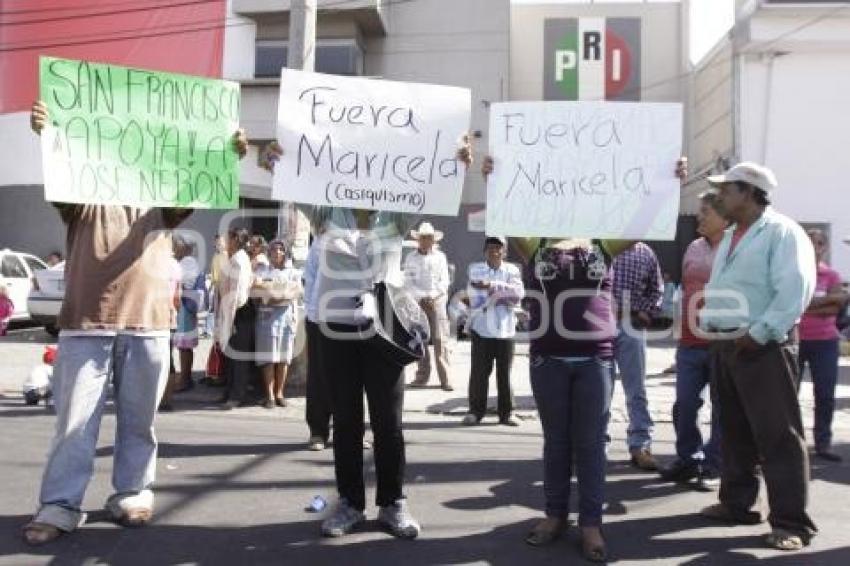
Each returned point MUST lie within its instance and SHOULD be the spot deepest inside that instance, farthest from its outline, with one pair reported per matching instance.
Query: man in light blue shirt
(761, 283)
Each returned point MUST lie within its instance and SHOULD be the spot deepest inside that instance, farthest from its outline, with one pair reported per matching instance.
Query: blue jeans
(822, 358)
(693, 376)
(85, 366)
(573, 400)
(630, 355)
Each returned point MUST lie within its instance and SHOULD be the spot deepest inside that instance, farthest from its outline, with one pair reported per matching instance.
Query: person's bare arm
(835, 298)
(824, 310)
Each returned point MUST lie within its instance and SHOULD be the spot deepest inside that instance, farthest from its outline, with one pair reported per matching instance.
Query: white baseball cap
(747, 172)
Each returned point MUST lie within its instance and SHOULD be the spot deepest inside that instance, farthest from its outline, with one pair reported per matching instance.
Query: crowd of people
(748, 280)
(249, 299)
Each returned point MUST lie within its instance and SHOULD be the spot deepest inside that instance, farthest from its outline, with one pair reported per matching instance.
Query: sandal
(594, 552)
(541, 534)
(37, 534)
(781, 539)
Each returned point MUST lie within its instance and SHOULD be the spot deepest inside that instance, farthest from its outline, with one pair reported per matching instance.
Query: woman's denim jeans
(573, 400)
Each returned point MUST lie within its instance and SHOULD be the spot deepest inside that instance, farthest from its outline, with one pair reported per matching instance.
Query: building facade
(773, 91)
(458, 43)
(501, 51)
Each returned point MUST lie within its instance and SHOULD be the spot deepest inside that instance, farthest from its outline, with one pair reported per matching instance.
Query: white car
(46, 297)
(18, 274)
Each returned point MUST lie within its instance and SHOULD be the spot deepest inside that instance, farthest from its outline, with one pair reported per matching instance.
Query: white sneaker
(470, 420)
(343, 520)
(316, 443)
(398, 520)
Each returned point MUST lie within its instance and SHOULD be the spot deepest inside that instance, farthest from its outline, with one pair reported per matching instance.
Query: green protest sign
(138, 138)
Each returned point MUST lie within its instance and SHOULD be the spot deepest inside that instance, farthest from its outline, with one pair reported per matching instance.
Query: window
(339, 60)
(343, 57)
(34, 263)
(12, 267)
(270, 58)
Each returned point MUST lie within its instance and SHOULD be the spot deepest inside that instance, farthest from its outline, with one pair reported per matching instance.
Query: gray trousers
(438, 320)
(760, 425)
(85, 366)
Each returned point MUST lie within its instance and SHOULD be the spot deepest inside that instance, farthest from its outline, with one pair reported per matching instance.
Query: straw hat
(426, 229)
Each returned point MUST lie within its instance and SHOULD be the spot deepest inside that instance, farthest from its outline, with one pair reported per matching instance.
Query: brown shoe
(643, 459)
(722, 513)
(37, 534)
(418, 384)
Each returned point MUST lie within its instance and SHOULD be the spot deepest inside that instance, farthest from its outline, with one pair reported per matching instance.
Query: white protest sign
(584, 169)
(372, 144)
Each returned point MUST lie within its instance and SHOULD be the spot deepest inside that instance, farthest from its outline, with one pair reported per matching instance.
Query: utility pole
(301, 55)
(293, 225)
(302, 35)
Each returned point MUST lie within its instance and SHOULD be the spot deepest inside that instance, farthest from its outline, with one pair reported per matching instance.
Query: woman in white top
(235, 323)
(276, 290)
(358, 249)
(186, 334)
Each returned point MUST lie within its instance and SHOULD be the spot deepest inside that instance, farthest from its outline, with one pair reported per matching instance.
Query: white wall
(20, 153)
(448, 42)
(808, 136)
(239, 38)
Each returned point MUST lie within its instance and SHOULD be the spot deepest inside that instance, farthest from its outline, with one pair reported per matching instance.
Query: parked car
(18, 273)
(45, 298)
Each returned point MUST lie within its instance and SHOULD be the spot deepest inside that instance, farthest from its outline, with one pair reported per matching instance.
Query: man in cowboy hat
(761, 282)
(426, 275)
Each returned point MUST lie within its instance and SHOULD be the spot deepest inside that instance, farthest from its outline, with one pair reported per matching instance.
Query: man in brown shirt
(114, 327)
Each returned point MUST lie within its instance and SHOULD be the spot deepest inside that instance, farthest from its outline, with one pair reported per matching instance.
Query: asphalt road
(232, 488)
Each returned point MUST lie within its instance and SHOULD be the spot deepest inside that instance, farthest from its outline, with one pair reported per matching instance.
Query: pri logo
(592, 59)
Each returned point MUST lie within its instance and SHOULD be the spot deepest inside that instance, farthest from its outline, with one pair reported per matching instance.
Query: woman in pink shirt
(7, 309)
(819, 345)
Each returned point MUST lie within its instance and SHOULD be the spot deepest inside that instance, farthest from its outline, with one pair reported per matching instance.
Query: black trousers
(485, 351)
(352, 366)
(318, 392)
(760, 424)
(239, 366)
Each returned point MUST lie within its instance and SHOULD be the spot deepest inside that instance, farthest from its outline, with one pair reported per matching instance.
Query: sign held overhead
(134, 137)
(584, 169)
(372, 144)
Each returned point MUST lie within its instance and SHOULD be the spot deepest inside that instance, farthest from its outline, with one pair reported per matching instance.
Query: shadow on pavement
(171, 450)
(833, 472)
(20, 333)
(457, 406)
(638, 539)
(299, 543)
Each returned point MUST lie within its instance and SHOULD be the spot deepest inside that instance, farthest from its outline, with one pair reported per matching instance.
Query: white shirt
(272, 274)
(189, 271)
(426, 276)
(311, 269)
(352, 261)
(235, 290)
(492, 310)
